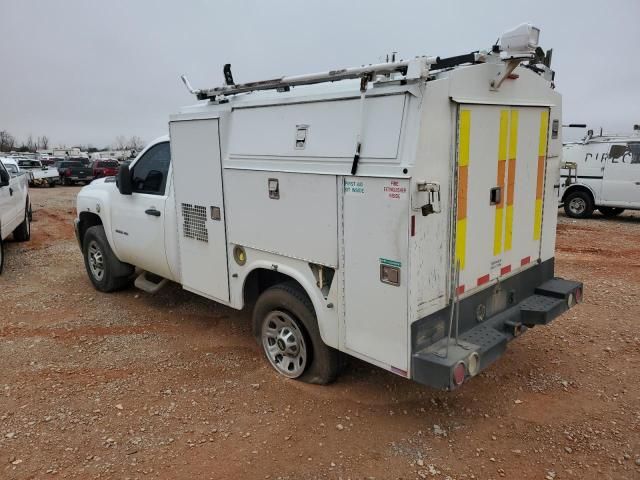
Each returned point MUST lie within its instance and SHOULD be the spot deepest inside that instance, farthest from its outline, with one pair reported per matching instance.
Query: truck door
(197, 176)
(7, 207)
(501, 160)
(621, 183)
(138, 220)
(376, 270)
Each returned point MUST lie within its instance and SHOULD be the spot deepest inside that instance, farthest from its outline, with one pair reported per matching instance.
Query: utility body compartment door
(197, 176)
(376, 270)
(500, 175)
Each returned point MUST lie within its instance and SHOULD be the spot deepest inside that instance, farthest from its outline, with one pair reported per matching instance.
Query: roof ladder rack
(411, 69)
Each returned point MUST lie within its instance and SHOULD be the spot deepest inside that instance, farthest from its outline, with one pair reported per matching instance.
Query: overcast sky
(85, 71)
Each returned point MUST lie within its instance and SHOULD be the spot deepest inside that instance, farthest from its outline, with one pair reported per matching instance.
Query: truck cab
(601, 172)
(15, 206)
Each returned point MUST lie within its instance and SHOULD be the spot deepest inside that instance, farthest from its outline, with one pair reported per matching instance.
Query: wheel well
(261, 279)
(578, 188)
(87, 220)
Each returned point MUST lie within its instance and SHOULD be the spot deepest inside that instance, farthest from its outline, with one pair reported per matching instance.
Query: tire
(22, 233)
(578, 204)
(610, 212)
(1, 253)
(106, 272)
(286, 326)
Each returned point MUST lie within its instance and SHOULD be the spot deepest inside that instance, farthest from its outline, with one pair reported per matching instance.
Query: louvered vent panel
(194, 222)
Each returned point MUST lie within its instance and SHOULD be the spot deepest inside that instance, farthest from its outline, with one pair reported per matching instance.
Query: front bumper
(487, 321)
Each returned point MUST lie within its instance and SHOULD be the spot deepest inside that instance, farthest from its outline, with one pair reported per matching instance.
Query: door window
(627, 153)
(150, 173)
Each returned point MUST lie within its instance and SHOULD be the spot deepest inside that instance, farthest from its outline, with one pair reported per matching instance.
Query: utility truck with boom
(403, 213)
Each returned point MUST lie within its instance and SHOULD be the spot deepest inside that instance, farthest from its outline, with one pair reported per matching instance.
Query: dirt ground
(172, 386)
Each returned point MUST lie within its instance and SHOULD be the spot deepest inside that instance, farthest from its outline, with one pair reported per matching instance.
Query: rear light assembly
(578, 295)
(459, 372)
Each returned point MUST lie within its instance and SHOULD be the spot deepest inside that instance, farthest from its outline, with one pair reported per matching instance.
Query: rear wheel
(105, 271)
(23, 232)
(578, 204)
(610, 212)
(285, 325)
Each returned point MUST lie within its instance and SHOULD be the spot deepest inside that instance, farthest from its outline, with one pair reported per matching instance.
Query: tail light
(578, 295)
(459, 372)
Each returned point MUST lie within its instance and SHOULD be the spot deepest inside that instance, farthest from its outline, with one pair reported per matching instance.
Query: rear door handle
(152, 211)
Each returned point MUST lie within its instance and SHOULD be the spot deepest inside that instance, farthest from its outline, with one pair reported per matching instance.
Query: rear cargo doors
(500, 165)
(197, 177)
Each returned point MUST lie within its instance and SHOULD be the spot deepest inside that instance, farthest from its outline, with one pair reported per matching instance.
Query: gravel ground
(130, 385)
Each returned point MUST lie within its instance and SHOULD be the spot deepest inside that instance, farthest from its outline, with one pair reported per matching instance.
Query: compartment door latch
(427, 198)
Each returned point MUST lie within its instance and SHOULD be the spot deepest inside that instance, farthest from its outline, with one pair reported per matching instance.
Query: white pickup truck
(15, 206)
(40, 175)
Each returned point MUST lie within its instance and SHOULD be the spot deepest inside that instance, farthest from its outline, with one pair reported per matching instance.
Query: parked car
(72, 172)
(602, 172)
(39, 174)
(105, 168)
(15, 206)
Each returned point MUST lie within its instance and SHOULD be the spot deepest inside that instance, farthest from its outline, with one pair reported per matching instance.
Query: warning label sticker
(394, 189)
(353, 186)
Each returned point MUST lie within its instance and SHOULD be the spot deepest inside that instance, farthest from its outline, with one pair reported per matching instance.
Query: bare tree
(135, 143)
(7, 141)
(30, 144)
(120, 143)
(43, 142)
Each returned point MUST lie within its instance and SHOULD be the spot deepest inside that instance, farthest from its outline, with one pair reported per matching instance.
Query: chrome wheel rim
(96, 260)
(577, 205)
(284, 344)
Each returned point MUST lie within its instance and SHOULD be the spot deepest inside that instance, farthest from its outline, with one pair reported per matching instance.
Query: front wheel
(286, 326)
(578, 204)
(23, 232)
(610, 212)
(105, 271)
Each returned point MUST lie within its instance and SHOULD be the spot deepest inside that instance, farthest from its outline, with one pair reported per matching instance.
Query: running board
(147, 282)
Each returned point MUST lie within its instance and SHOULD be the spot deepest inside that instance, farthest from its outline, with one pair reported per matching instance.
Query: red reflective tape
(505, 270)
(483, 279)
(413, 225)
(460, 290)
(525, 260)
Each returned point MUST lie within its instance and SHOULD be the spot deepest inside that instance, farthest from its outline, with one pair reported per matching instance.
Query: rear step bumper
(482, 341)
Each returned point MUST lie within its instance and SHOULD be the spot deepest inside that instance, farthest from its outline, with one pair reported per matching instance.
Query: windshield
(108, 164)
(28, 163)
(70, 164)
(11, 168)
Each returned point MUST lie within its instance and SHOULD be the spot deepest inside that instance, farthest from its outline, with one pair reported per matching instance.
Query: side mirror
(4, 178)
(123, 180)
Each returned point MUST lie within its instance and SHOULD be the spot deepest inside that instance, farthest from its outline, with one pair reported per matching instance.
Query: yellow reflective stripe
(544, 125)
(463, 163)
(461, 236)
(542, 153)
(465, 128)
(511, 178)
(502, 160)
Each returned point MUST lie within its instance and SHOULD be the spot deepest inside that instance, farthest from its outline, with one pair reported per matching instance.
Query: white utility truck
(603, 172)
(406, 218)
(15, 206)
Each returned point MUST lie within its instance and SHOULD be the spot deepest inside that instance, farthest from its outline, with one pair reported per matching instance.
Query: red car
(105, 168)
